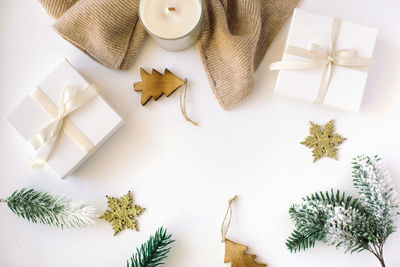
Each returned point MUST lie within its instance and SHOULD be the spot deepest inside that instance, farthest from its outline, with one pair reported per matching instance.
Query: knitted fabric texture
(236, 35)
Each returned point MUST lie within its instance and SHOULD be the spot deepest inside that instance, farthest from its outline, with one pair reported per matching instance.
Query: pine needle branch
(302, 240)
(153, 251)
(41, 207)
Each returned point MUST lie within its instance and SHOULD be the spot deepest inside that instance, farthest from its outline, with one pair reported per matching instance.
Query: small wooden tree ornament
(236, 253)
(154, 85)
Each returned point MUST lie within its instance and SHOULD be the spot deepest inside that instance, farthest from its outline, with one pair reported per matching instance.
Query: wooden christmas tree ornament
(236, 253)
(154, 85)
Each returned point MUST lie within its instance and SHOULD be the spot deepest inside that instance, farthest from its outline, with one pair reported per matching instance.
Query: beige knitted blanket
(235, 38)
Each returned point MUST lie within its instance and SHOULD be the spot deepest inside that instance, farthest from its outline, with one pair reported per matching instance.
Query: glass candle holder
(174, 24)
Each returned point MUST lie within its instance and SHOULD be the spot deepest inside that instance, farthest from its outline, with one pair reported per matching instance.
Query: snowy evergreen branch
(343, 221)
(41, 207)
(328, 218)
(376, 193)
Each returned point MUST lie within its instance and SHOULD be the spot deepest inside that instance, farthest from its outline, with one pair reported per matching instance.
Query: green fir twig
(153, 252)
(41, 207)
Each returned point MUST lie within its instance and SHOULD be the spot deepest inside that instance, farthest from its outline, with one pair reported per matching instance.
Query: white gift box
(95, 119)
(346, 85)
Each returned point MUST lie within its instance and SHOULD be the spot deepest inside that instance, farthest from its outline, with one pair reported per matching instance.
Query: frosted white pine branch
(376, 191)
(75, 213)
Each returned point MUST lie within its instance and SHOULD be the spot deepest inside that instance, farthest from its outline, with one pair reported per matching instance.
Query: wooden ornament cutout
(236, 253)
(154, 85)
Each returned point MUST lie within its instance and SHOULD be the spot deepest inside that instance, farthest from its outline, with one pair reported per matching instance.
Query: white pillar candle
(174, 24)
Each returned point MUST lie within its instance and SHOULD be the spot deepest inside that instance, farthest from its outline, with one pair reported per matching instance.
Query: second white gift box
(64, 120)
(325, 61)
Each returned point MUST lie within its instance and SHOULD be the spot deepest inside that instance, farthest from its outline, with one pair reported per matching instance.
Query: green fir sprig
(153, 252)
(41, 207)
(356, 224)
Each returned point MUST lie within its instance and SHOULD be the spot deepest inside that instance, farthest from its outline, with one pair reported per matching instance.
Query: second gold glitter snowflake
(323, 141)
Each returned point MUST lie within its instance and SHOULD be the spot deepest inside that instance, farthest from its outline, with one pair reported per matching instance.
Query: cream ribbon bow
(45, 140)
(320, 58)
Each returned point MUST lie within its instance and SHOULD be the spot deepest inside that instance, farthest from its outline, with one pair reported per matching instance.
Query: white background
(184, 175)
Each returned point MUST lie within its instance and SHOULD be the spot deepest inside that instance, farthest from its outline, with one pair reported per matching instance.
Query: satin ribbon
(45, 140)
(320, 58)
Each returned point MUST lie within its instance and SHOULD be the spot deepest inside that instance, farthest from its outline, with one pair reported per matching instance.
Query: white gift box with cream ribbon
(325, 61)
(64, 120)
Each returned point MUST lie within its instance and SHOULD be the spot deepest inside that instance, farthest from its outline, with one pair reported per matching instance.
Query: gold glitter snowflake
(323, 141)
(122, 214)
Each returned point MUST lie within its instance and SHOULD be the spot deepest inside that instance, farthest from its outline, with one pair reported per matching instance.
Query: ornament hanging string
(183, 102)
(228, 215)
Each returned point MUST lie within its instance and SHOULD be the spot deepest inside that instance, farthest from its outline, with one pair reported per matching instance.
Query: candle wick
(171, 9)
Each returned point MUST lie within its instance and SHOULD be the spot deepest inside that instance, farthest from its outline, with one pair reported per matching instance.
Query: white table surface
(184, 175)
